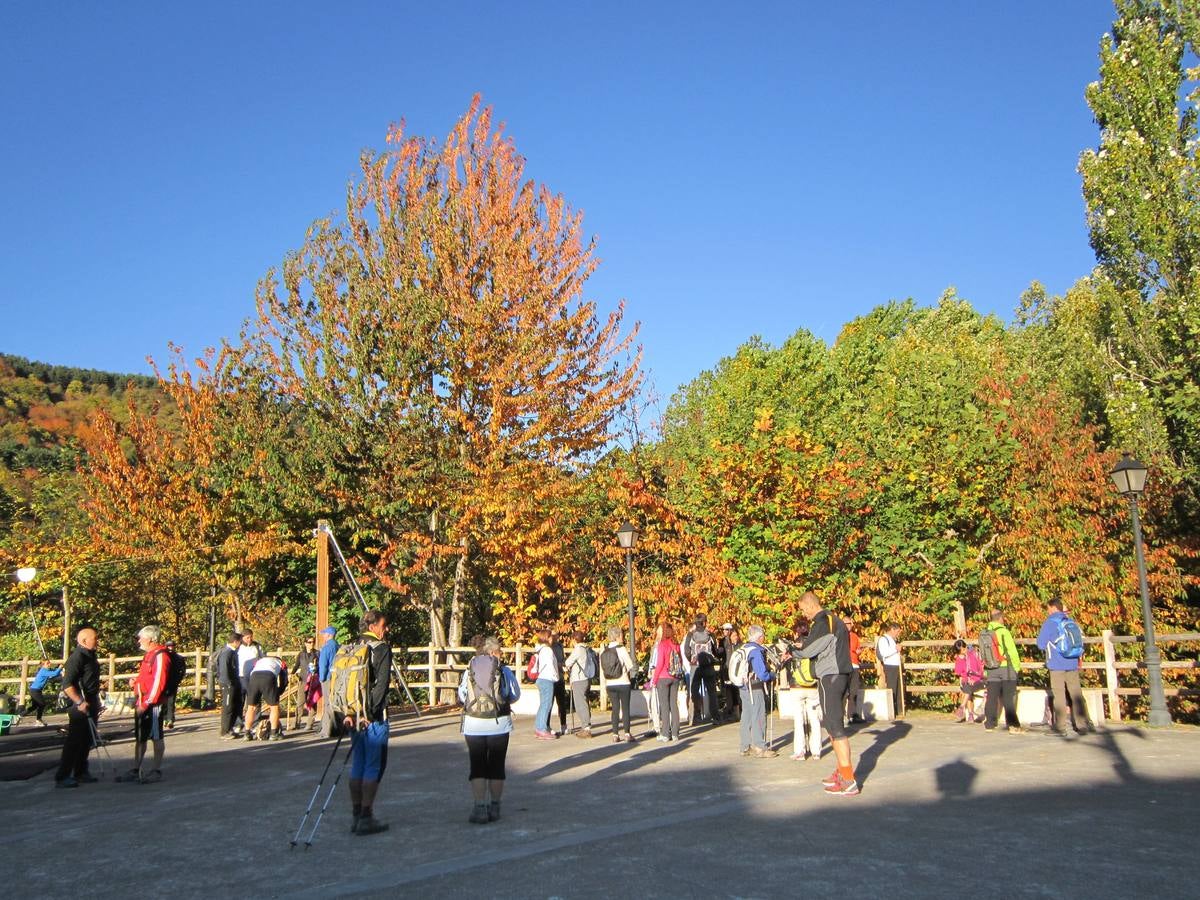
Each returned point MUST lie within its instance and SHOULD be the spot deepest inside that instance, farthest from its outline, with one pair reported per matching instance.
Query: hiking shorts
(264, 689)
(832, 691)
(149, 724)
(368, 752)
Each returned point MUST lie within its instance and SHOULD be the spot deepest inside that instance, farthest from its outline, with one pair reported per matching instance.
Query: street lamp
(26, 574)
(1129, 475)
(627, 537)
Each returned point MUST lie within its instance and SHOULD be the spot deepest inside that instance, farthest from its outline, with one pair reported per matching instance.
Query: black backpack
(610, 663)
(176, 673)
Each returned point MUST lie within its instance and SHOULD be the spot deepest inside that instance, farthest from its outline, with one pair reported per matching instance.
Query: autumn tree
(453, 377)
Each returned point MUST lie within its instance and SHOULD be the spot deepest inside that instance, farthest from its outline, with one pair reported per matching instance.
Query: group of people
(253, 681)
(993, 666)
(155, 686)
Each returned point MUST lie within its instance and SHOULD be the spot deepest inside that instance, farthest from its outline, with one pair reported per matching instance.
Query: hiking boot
(152, 776)
(277, 735)
(230, 736)
(844, 788)
(479, 814)
(133, 776)
(370, 825)
(251, 736)
(67, 782)
(354, 823)
(831, 780)
(494, 811)
(1015, 729)
(764, 753)
(584, 733)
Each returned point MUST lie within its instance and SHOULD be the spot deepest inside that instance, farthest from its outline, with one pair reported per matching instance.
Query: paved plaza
(946, 811)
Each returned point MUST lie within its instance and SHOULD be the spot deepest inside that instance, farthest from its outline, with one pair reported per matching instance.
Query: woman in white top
(547, 679)
(887, 656)
(617, 666)
(487, 691)
(580, 671)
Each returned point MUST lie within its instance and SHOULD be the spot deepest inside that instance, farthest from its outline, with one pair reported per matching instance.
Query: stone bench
(803, 707)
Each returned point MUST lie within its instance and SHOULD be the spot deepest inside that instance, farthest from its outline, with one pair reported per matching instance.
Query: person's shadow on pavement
(884, 739)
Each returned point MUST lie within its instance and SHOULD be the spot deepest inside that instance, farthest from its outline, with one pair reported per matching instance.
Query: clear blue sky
(746, 172)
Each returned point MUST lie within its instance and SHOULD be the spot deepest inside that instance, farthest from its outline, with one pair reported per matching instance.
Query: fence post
(520, 673)
(21, 689)
(1110, 676)
(198, 658)
(112, 673)
(433, 697)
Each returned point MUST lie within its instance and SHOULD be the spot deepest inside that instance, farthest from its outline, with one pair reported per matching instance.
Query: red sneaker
(844, 788)
(831, 780)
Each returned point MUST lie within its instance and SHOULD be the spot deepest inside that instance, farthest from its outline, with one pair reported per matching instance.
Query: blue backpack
(1069, 642)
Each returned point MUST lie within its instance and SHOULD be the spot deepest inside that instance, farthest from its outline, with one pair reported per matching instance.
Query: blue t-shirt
(44, 675)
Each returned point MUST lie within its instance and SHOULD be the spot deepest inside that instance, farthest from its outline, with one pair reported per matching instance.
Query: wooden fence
(437, 670)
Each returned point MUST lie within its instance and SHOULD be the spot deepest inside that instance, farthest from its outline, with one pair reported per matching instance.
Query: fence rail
(436, 670)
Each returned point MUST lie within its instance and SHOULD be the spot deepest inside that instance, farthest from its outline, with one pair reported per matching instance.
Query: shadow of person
(955, 779)
(865, 765)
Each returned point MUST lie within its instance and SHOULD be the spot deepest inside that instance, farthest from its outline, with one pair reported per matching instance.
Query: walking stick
(328, 797)
(317, 790)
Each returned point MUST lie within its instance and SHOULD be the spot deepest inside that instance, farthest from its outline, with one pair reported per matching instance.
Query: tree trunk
(456, 598)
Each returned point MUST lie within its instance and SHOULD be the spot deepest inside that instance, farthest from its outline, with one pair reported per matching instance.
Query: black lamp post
(1129, 475)
(627, 537)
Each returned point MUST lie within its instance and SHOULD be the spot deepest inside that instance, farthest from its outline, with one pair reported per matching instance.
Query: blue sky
(747, 169)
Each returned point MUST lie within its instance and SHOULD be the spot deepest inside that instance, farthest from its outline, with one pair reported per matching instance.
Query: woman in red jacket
(665, 677)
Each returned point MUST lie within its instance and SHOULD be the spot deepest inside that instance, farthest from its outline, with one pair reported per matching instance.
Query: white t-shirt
(268, 664)
(247, 655)
(887, 650)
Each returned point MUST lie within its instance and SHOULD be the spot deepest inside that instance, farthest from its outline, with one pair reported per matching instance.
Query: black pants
(618, 699)
(231, 706)
(733, 701)
(891, 675)
(168, 709)
(487, 752)
(560, 697)
(704, 702)
(997, 691)
(853, 694)
(37, 703)
(77, 746)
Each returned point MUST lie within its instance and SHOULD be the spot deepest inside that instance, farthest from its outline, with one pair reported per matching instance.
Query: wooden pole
(112, 673)
(21, 691)
(1110, 676)
(199, 657)
(322, 576)
(66, 626)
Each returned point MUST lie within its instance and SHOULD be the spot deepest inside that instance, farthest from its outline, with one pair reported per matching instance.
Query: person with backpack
(749, 673)
(1061, 639)
(268, 680)
(232, 699)
(37, 703)
(700, 651)
(543, 670)
(582, 666)
(359, 679)
(1002, 667)
(148, 688)
(177, 674)
(828, 644)
(487, 692)
(665, 676)
(968, 666)
(889, 661)
(618, 667)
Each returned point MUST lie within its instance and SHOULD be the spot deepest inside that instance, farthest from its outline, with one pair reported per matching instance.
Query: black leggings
(487, 752)
(37, 703)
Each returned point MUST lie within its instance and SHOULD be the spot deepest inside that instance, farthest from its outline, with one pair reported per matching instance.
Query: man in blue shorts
(369, 735)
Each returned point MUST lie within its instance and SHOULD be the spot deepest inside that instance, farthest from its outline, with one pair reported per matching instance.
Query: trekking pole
(356, 593)
(106, 763)
(329, 796)
(317, 790)
(771, 715)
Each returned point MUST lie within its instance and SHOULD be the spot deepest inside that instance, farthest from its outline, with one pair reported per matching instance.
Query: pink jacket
(662, 659)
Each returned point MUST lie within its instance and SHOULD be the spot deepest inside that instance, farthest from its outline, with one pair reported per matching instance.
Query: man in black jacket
(369, 735)
(81, 684)
(828, 645)
(230, 680)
